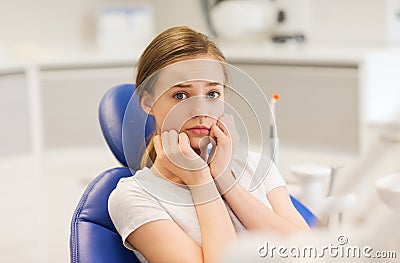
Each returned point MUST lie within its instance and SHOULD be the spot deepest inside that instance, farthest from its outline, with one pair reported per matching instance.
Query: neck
(159, 170)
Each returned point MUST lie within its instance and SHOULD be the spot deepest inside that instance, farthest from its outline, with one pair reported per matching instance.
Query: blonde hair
(173, 45)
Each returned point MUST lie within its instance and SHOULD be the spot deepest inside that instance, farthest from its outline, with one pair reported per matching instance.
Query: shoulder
(130, 205)
(129, 189)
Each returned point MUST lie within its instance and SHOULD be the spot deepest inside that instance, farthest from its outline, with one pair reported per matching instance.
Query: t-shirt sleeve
(130, 207)
(274, 179)
(255, 165)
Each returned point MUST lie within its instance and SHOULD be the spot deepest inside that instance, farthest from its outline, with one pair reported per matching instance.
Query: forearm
(255, 215)
(215, 223)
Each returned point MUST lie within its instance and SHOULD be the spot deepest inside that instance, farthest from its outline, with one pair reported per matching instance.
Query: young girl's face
(191, 106)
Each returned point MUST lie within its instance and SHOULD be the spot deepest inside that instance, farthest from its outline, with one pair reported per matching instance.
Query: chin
(195, 141)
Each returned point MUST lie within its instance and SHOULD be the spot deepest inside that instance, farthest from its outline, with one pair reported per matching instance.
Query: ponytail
(149, 155)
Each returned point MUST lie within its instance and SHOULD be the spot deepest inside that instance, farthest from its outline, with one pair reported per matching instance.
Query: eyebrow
(183, 85)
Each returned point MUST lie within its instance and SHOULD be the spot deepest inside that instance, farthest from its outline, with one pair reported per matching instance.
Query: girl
(208, 208)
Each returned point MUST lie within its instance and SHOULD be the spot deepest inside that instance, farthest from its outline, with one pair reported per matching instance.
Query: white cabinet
(70, 101)
(319, 105)
(14, 116)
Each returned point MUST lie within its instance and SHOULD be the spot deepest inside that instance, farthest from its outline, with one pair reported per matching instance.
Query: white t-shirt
(145, 197)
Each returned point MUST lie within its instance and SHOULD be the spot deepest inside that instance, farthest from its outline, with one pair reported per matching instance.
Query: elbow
(292, 228)
(296, 228)
(303, 228)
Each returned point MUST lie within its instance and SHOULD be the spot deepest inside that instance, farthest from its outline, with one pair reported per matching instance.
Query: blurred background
(335, 65)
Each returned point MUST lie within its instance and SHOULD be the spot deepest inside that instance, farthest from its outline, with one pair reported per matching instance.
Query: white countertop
(72, 60)
(246, 53)
(297, 54)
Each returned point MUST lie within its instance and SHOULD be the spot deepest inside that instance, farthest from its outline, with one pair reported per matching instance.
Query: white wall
(348, 22)
(179, 12)
(66, 24)
(72, 23)
(55, 23)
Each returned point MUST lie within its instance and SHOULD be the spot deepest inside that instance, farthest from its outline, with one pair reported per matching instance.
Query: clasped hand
(175, 153)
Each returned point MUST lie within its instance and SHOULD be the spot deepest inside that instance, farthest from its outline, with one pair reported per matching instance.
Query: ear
(146, 103)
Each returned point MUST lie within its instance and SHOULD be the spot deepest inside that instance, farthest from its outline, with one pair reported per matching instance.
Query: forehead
(188, 71)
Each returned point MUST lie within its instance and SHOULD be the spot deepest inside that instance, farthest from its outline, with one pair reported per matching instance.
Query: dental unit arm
(378, 231)
(311, 178)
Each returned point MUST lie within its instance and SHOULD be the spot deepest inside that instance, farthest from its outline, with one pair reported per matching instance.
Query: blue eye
(180, 96)
(213, 94)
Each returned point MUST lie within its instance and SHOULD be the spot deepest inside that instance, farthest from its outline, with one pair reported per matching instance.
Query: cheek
(218, 108)
(173, 120)
(169, 117)
(160, 113)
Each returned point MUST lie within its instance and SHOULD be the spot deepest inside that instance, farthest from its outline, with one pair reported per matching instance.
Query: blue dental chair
(93, 236)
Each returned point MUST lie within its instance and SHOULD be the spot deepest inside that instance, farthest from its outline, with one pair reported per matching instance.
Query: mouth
(199, 130)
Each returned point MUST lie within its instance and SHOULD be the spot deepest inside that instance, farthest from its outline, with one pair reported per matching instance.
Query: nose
(199, 107)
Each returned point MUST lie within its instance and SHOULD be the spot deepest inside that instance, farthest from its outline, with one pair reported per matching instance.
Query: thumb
(184, 144)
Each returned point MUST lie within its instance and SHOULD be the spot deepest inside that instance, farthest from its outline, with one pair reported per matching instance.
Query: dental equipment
(386, 141)
(377, 231)
(376, 237)
(388, 188)
(311, 177)
(273, 130)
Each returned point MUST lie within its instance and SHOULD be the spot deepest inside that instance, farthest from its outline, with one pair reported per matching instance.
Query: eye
(180, 96)
(213, 94)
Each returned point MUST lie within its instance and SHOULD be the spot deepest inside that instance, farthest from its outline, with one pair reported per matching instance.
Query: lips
(199, 130)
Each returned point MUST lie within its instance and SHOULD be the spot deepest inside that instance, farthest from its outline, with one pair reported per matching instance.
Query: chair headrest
(126, 127)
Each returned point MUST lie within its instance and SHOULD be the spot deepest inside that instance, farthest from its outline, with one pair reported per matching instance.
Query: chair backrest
(93, 235)
(124, 124)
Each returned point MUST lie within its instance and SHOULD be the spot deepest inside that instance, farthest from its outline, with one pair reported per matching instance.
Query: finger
(213, 136)
(165, 141)
(173, 140)
(157, 144)
(217, 133)
(228, 123)
(184, 144)
(221, 138)
(222, 123)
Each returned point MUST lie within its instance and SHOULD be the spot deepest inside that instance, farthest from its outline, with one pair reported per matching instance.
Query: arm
(215, 224)
(284, 217)
(164, 241)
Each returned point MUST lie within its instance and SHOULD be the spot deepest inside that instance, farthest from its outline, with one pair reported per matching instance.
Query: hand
(225, 140)
(175, 154)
